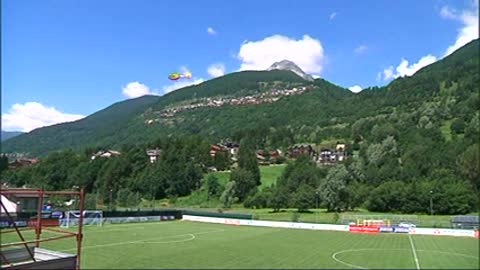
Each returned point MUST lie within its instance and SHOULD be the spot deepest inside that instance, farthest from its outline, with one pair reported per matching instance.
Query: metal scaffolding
(49, 259)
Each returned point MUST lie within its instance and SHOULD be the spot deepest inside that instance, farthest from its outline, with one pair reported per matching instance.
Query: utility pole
(316, 206)
(111, 198)
(431, 202)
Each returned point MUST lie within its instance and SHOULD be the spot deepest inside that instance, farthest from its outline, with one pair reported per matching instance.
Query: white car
(406, 225)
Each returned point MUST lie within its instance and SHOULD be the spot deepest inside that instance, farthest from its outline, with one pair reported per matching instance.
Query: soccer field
(184, 244)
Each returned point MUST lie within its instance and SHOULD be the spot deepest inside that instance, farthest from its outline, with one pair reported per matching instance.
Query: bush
(122, 197)
(91, 201)
(295, 217)
(458, 126)
(258, 200)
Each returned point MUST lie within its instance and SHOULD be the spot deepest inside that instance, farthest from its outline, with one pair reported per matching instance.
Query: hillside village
(266, 97)
(326, 156)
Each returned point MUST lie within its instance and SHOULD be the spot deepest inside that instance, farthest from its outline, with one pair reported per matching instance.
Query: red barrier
(476, 234)
(364, 229)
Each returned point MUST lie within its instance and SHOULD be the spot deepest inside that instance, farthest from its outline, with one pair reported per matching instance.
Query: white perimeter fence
(331, 227)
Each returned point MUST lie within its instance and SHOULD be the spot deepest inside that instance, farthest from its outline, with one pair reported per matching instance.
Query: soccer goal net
(90, 217)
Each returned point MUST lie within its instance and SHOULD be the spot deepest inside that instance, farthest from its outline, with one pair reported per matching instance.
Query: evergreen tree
(244, 183)
(3, 163)
(212, 186)
(247, 159)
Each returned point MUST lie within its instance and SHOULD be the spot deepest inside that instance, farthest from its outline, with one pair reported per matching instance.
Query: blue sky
(65, 59)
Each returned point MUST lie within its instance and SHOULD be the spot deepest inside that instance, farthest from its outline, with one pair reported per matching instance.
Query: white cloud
(355, 88)
(379, 77)
(333, 15)
(403, 69)
(315, 76)
(136, 89)
(361, 49)
(408, 70)
(467, 33)
(388, 73)
(211, 31)
(32, 115)
(448, 13)
(469, 29)
(216, 70)
(307, 53)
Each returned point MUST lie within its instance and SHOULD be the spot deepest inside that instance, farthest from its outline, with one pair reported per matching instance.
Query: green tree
(212, 186)
(115, 172)
(123, 196)
(304, 198)
(258, 200)
(333, 190)
(245, 183)
(458, 126)
(472, 131)
(221, 161)
(133, 199)
(469, 164)
(228, 196)
(91, 201)
(247, 159)
(280, 199)
(3, 163)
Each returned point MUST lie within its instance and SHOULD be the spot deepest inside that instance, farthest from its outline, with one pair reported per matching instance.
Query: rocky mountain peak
(291, 66)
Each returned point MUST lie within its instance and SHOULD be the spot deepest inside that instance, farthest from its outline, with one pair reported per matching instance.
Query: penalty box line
(140, 241)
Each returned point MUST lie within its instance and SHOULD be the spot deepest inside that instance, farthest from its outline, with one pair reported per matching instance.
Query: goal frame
(67, 221)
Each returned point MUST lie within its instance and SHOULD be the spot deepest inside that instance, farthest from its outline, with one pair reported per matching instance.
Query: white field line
(112, 230)
(121, 227)
(141, 241)
(414, 253)
(192, 237)
(334, 255)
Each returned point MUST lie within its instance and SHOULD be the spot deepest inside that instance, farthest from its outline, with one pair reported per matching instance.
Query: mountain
(440, 95)
(289, 65)
(9, 134)
(100, 126)
(124, 122)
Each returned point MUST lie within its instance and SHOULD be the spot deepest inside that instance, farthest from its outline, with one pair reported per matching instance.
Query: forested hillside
(9, 134)
(414, 140)
(124, 122)
(100, 126)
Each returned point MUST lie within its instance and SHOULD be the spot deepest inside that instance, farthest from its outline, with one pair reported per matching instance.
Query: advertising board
(443, 232)
(232, 221)
(332, 227)
(8, 224)
(401, 230)
(384, 229)
(45, 222)
(364, 229)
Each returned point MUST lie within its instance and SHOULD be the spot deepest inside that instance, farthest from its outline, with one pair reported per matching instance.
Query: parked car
(406, 225)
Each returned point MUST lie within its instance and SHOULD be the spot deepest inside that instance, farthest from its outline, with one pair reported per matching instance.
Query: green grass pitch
(184, 244)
